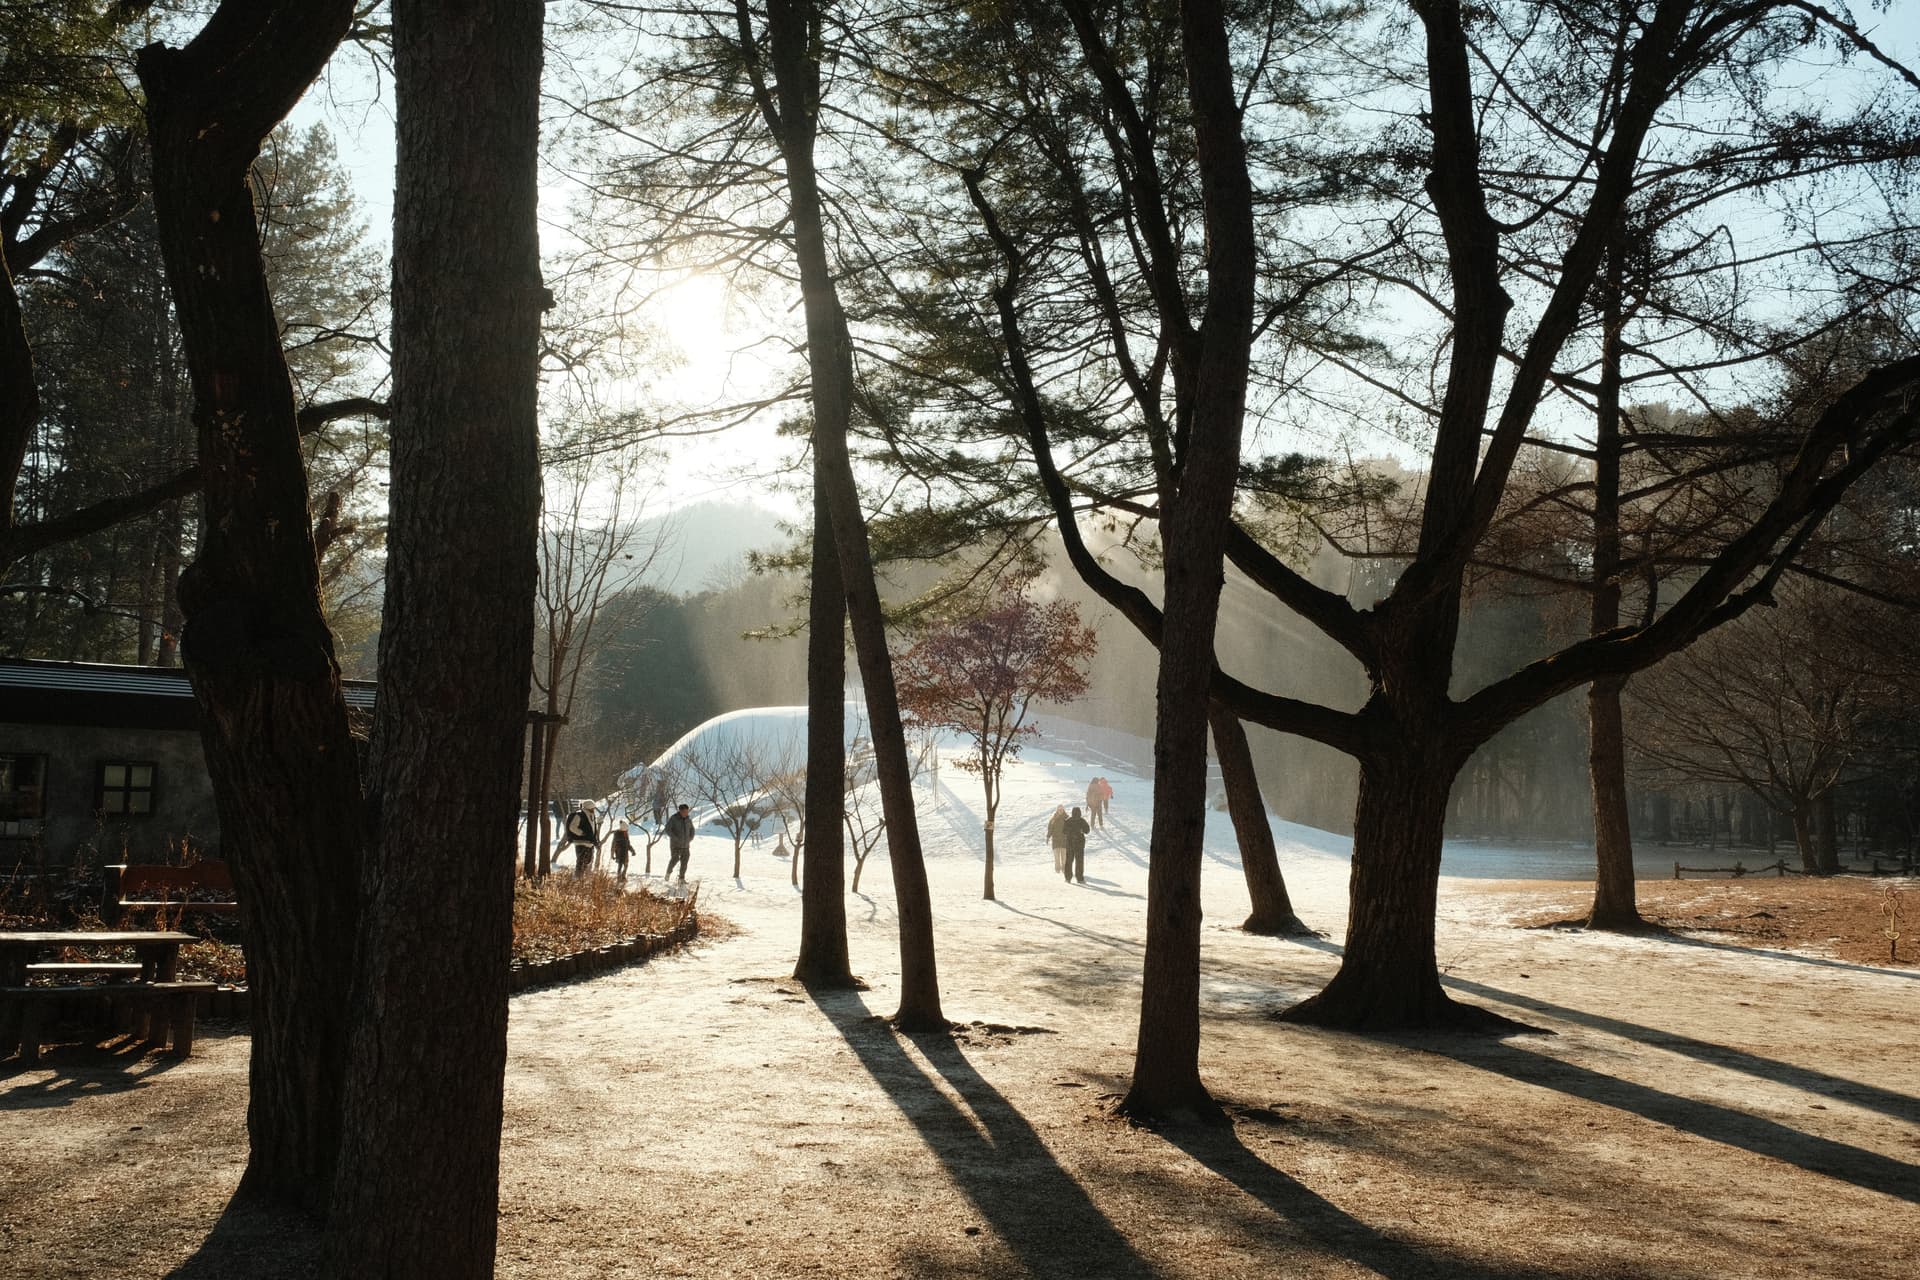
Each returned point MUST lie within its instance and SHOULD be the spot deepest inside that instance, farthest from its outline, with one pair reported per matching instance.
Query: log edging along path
(581, 964)
(234, 1003)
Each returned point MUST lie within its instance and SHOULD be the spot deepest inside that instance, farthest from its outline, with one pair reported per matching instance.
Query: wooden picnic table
(157, 949)
(145, 994)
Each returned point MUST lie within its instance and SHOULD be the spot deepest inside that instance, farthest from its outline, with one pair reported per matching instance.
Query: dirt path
(1700, 1111)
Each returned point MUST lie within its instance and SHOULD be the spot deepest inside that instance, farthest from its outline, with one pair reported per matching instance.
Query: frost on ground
(1712, 1106)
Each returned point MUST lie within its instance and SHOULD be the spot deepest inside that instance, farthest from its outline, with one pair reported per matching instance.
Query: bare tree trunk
(1166, 1063)
(1272, 911)
(1826, 846)
(152, 586)
(823, 959)
(1801, 816)
(274, 724)
(418, 1193)
(546, 792)
(172, 621)
(993, 807)
(1388, 977)
(793, 26)
(536, 761)
(19, 399)
(1614, 902)
(1614, 905)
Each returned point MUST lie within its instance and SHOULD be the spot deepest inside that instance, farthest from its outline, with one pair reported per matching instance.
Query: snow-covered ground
(952, 811)
(951, 807)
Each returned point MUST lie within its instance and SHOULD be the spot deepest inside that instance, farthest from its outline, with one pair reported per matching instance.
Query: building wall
(73, 832)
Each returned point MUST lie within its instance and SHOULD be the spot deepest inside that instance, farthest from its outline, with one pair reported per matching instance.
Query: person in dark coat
(1076, 832)
(622, 848)
(679, 842)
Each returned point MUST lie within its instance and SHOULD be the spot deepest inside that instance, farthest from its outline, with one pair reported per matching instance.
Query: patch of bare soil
(1844, 917)
(1699, 1110)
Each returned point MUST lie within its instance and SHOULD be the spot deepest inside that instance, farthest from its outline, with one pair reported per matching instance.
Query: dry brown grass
(561, 915)
(210, 960)
(1841, 916)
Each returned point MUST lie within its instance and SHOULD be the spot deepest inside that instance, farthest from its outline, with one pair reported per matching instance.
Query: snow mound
(754, 743)
(778, 735)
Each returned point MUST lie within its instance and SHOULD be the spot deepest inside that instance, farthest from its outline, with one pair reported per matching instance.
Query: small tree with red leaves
(980, 674)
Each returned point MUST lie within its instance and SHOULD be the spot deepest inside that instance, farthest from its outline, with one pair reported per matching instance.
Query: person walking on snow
(583, 833)
(1076, 832)
(1093, 805)
(679, 842)
(622, 849)
(1106, 799)
(1057, 837)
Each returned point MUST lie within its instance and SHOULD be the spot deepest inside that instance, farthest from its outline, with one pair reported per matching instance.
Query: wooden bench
(112, 970)
(142, 887)
(150, 1011)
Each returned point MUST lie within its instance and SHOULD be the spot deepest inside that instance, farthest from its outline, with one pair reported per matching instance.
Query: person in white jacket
(583, 833)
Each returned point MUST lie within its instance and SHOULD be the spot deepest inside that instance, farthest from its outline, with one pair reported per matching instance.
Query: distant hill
(707, 544)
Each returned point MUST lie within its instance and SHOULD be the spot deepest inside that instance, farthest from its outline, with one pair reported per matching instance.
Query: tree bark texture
(987, 782)
(1416, 746)
(167, 652)
(19, 398)
(1826, 845)
(549, 819)
(1801, 816)
(1166, 1065)
(824, 961)
(255, 644)
(1272, 911)
(419, 1185)
(1614, 903)
(536, 755)
(792, 27)
(1388, 978)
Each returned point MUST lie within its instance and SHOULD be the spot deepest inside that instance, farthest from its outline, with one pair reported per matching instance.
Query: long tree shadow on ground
(1111, 941)
(1709, 1120)
(1899, 1106)
(1006, 1171)
(1331, 1227)
(994, 1156)
(1682, 939)
(1887, 1102)
(255, 1242)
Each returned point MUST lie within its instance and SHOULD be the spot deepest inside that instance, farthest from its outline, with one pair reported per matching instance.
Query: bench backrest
(137, 880)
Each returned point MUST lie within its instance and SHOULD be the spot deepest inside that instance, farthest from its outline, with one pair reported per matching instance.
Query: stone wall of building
(74, 829)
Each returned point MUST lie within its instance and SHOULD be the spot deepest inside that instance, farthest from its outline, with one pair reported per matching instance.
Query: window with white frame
(125, 788)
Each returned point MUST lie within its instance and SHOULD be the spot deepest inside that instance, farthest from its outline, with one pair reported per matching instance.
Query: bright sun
(696, 315)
